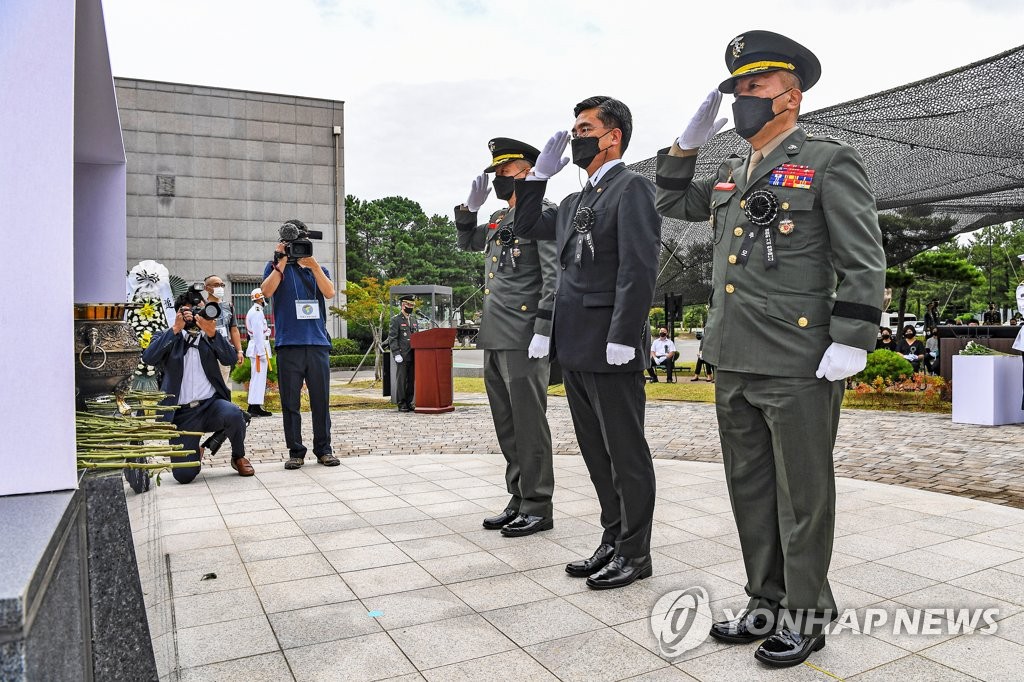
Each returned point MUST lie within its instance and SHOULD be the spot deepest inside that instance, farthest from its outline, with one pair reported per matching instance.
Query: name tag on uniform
(307, 310)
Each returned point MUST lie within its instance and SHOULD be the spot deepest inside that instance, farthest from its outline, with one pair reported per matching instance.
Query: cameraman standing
(300, 289)
(190, 354)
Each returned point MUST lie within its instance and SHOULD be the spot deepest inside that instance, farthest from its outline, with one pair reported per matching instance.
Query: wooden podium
(433, 349)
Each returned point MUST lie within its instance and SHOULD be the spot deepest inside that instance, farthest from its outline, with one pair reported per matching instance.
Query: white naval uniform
(258, 352)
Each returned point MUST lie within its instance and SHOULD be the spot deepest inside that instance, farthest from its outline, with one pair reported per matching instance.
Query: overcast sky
(427, 82)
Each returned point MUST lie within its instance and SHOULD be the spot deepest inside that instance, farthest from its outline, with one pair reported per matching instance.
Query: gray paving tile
(258, 518)
(446, 509)
(414, 530)
(441, 546)
(737, 664)
(288, 568)
(346, 539)
(946, 596)
(275, 549)
(361, 659)
(229, 576)
(599, 655)
(540, 621)
(911, 669)
(466, 567)
(613, 607)
(930, 565)
(537, 554)
(184, 543)
(359, 558)
(881, 580)
(270, 531)
(212, 643)
(556, 580)
(331, 523)
(216, 607)
(994, 583)
(270, 667)
(510, 665)
(390, 516)
(403, 609)
(433, 645)
(318, 624)
(388, 579)
(982, 656)
(304, 593)
(499, 592)
(977, 552)
(376, 503)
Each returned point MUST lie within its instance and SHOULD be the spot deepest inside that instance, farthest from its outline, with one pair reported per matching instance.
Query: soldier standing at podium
(515, 331)
(404, 325)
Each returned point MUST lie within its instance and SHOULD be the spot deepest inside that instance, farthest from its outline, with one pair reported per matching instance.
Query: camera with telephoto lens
(296, 237)
(193, 297)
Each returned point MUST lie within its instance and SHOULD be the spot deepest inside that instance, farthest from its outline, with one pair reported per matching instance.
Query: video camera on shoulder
(193, 297)
(296, 238)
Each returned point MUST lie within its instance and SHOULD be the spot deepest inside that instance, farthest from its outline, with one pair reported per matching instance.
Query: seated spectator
(663, 354)
(190, 355)
(911, 347)
(886, 341)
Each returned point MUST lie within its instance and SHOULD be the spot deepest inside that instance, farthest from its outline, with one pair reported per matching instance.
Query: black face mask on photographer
(586, 149)
(752, 114)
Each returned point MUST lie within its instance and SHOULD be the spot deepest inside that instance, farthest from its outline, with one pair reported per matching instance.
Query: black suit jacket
(167, 352)
(607, 297)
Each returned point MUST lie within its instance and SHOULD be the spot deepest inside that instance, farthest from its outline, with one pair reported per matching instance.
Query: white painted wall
(38, 126)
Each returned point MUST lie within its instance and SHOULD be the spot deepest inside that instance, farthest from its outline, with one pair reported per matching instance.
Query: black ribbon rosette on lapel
(583, 222)
(761, 208)
(506, 237)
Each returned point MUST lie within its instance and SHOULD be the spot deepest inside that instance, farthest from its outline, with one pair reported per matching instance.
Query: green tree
(994, 250)
(368, 304)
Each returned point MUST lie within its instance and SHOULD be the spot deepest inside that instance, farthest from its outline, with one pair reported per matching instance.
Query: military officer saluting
(515, 331)
(403, 326)
(797, 284)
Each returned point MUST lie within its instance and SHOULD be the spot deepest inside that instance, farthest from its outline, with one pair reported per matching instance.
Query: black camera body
(193, 297)
(296, 238)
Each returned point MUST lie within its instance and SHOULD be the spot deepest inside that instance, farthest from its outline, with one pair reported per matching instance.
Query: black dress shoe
(524, 524)
(749, 627)
(620, 572)
(786, 648)
(588, 567)
(496, 522)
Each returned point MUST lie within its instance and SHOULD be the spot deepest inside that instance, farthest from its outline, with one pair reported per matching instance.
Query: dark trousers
(214, 414)
(405, 380)
(517, 390)
(777, 437)
(669, 363)
(708, 368)
(608, 417)
(311, 364)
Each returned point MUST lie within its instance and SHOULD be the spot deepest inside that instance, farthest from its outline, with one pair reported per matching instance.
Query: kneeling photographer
(190, 354)
(300, 287)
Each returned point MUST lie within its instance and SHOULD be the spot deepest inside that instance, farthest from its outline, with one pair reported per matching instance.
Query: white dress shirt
(194, 384)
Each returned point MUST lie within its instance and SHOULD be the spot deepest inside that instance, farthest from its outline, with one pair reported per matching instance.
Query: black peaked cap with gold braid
(762, 51)
(505, 149)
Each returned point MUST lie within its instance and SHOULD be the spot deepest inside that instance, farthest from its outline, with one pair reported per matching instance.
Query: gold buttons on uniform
(802, 322)
(738, 232)
(487, 291)
(522, 307)
(732, 258)
(491, 275)
(785, 205)
(712, 219)
(729, 288)
(494, 259)
(743, 203)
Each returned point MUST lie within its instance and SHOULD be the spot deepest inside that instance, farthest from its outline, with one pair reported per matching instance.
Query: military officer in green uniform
(798, 279)
(515, 331)
(403, 326)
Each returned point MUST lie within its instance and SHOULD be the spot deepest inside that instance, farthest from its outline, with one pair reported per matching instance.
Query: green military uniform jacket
(829, 277)
(399, 332)
(517, 300)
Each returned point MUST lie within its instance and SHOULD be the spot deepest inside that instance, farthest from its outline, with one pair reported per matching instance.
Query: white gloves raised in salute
(551, 160)
(703, 126)
(478, 193)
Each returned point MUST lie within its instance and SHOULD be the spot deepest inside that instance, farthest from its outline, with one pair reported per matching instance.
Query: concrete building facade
(213, 172)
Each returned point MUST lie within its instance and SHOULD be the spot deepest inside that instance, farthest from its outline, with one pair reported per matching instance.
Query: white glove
(910, 356)
(703, 126)
(539, 346)
(617, 354)
(551, 160)
(841, 361)
(398, 358)
(478, 193)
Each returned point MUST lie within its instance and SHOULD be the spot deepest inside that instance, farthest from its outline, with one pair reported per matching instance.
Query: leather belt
(194, 403)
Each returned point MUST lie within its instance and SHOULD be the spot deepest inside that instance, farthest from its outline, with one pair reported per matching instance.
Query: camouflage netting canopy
(949, 147)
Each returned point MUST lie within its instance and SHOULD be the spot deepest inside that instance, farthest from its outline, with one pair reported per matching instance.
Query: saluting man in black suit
(607, 238)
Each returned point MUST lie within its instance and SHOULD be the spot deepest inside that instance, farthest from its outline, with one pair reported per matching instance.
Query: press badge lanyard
(308, 308)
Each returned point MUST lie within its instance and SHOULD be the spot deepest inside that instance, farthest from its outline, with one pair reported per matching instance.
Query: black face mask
(751, 114)
(504, 186)
(886, 337)
(909, 335)
(586, 149)
(406, 310)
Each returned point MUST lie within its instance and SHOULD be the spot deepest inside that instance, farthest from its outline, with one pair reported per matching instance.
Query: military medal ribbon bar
(791, 175)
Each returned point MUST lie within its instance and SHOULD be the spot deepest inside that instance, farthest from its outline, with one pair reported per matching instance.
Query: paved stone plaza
(378, 569)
